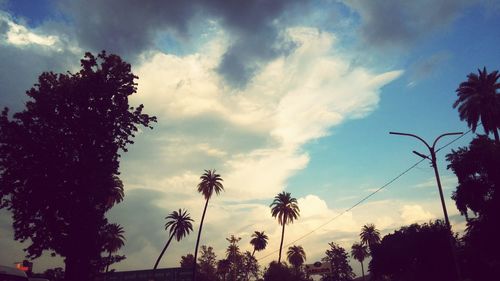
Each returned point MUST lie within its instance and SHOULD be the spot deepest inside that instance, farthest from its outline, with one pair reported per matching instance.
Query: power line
(367, 197)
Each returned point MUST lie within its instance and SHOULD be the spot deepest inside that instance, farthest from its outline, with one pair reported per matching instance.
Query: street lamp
(432, 151)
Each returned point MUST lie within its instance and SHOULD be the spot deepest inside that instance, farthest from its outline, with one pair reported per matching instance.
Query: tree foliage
(338, 258)
(259, 241)
(479, 101)
(296, 256)
(415, 252)
(207, 264)
(280, 272)
(369, 235)
(59, 158)
(477, 168)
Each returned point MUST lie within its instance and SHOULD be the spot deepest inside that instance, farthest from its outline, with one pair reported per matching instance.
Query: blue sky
(278, 95)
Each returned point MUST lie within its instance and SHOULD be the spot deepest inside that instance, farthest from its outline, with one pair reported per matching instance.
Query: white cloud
(415, 213)
(291, 101)
(20, 35)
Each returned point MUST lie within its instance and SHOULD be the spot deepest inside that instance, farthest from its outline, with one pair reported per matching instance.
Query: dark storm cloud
(400, 23)
(21, 67)
(128, 27)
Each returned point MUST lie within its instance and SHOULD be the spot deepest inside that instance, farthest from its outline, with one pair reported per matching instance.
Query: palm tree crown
(210, 182)
(296, 255)
(259, 241)
(359, 251)
(285, 208)
(369, 235)
(114, 237)
(179, 224)
(478, 100)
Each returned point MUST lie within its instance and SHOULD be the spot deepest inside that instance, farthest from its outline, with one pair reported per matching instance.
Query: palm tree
(179, 225)
(285, 208)
(210, 183)
(478, 99)
(114, 240)
(259, 241)
(359, 252)
(369, 235)
(296, 256)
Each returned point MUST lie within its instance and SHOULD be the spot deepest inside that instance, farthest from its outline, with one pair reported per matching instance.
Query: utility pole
(432, 152)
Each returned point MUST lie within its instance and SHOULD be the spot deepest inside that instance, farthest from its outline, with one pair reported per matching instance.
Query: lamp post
(432, 151)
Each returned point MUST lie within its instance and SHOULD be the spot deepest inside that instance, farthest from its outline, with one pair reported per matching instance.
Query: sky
(282, 95)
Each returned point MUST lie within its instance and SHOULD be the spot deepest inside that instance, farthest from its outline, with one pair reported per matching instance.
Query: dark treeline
(59, 176)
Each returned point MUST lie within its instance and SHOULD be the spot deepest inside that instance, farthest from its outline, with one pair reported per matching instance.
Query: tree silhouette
(359, 252)
(59, 159)
(187, 261)
(207, 263)
(415, 252)
(296, 256)
(477, 168)
(259, 241)
(114, 240)
(210, 183)
(179, 225)
(233, 255)
(478, 100)
(338, 259)
(223, 267)
(369, 235)
(285, 208)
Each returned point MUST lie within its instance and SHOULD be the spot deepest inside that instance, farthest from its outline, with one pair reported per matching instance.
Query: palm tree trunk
(109, 262)
(253, 253)
(107, 267)
(163, 251)
(281, 244)
(362, 270)
(198, 240)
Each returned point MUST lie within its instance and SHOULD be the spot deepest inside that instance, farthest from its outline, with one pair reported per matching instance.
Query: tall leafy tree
(208, 263)
(259, 241)
(114, 240)
(479, 100)
(250, 266)
(59, 159)
(210, 182)
(369, 235)
(477, 168)
(414, 252)
(338, 259)
(296, 256)
(286, 209)
(359, 252)
(179, 225)
(234, 256)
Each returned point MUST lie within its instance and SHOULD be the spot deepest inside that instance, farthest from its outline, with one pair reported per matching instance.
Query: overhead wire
(366, 197)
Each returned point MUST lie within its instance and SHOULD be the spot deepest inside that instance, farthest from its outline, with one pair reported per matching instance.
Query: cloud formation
(293, 100)
(389, 23)
(129, 27)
